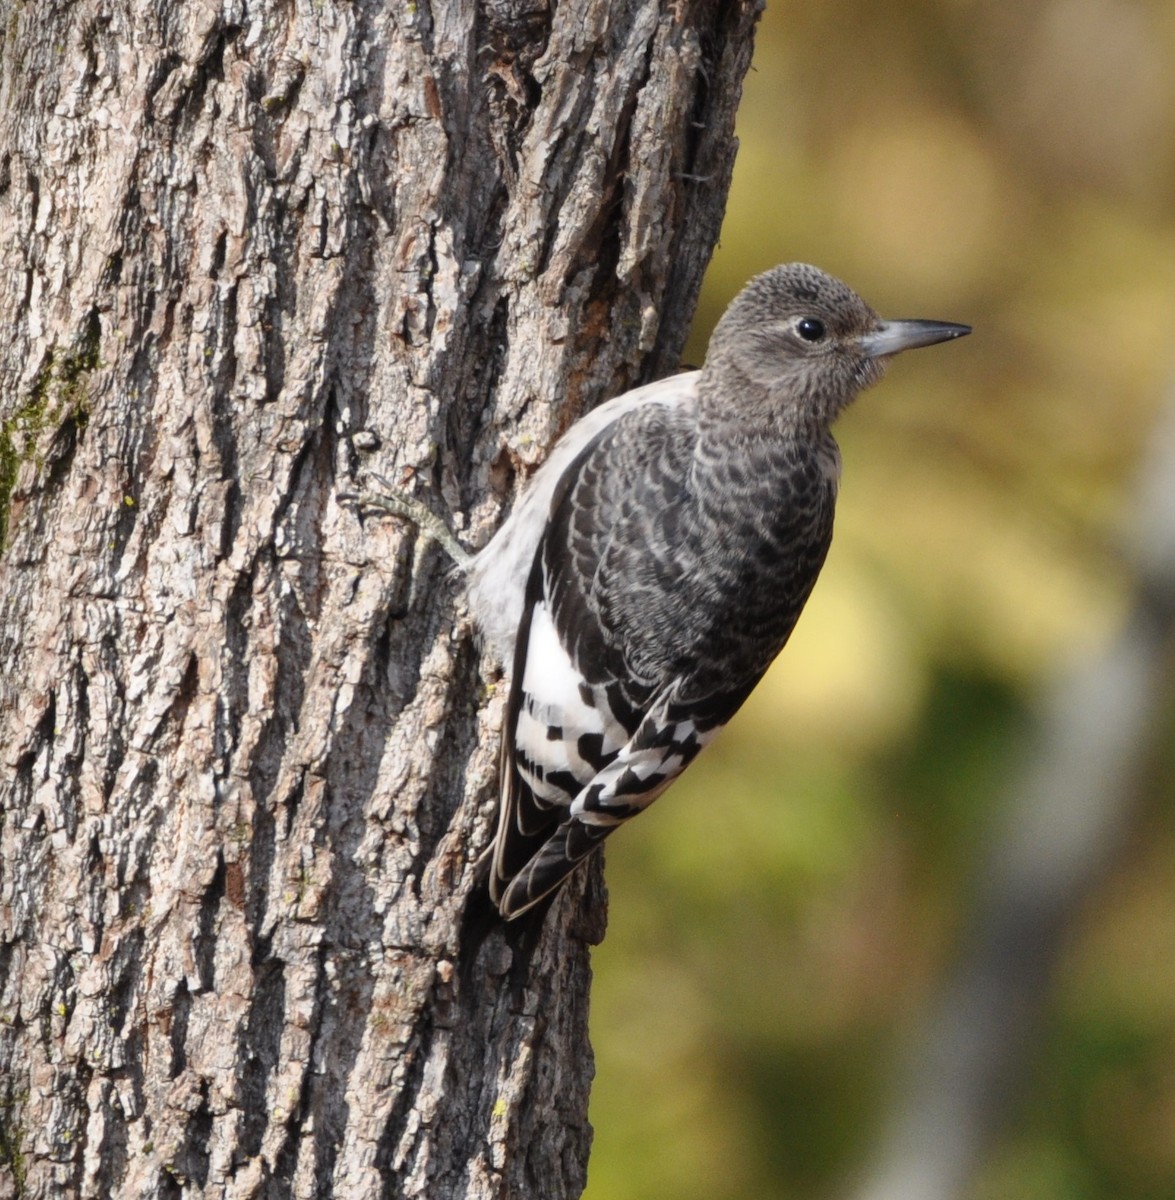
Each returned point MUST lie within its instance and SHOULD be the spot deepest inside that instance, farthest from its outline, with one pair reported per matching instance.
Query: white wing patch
(645, 766)
(550, 681)
(558, 708)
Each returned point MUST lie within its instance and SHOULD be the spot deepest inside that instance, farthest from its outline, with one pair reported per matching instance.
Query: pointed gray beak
(892, 337)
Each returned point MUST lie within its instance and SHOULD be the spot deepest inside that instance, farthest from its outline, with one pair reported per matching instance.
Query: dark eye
(810, 329)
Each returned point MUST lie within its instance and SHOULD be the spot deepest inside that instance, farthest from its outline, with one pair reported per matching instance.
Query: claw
(432, 529)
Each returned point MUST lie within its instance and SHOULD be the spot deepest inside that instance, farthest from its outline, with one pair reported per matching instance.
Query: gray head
(797, 345)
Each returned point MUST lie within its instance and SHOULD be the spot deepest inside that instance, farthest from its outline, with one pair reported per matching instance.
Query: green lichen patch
(58, 394)
(11, 1151)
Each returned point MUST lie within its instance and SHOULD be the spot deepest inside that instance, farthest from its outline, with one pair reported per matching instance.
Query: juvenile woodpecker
(658, 562)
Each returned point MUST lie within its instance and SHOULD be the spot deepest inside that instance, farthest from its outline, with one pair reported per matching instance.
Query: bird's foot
(432, 529)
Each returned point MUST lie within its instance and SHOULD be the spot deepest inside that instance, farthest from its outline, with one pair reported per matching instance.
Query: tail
(536, 846)
(547, 859)
(481, 921)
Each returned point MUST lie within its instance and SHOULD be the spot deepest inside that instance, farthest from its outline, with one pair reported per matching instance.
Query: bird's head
(803, 344)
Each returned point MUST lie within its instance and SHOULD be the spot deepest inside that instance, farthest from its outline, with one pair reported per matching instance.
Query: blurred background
(783, 924)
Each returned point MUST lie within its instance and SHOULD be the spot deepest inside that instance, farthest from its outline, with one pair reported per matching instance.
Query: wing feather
(574, 758)
(497, 579)
(653, 758)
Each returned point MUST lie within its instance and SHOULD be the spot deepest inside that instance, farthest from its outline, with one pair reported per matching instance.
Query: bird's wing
(566, 717)
(497, 580)
(590, 737)
(529, 866)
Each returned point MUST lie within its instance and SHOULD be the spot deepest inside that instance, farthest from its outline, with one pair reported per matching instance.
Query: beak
(892, 337)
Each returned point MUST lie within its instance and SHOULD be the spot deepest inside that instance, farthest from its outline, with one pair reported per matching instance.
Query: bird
(657, 563)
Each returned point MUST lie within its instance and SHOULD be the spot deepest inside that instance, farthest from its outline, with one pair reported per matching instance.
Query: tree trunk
(252, 250)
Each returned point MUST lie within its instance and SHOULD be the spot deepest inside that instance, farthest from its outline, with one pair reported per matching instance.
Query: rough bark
(252, 249)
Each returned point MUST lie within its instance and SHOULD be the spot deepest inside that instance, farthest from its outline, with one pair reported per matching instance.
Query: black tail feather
(547, 869)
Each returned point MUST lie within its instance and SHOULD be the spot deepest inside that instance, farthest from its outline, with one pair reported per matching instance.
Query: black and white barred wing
(587, 743)
(530, 864)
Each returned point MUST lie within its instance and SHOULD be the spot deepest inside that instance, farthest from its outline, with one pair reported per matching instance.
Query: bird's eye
(810, 329)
